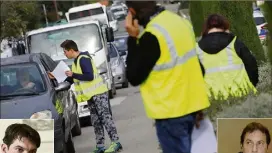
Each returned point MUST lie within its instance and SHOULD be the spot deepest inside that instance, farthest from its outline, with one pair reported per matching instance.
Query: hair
(69, 44)
(141, 5)
(215, 21)
(19, 131)
(254, 126)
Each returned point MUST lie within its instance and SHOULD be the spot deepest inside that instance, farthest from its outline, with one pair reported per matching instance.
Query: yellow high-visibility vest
(175, 87)
(85, 90)
(225, 73)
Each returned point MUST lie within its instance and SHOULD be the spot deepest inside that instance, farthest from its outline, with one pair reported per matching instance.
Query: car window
(121, 44)
(259, 20)
(21, 78)
(112, 51)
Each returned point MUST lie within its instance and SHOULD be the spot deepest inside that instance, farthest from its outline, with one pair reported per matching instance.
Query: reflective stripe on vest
(87, 90)
(175, 59)
(95, 77)
(229, 67)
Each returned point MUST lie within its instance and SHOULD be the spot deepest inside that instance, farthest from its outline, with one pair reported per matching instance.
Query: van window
(85, 13)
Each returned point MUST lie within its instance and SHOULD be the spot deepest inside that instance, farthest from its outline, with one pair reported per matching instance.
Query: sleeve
(249, 61)
(141, 58)
(87, 70)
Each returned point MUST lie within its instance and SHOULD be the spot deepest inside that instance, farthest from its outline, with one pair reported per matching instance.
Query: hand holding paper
(59, 71)
(69, 73)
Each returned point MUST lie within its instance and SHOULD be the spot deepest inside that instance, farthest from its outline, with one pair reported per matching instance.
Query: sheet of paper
(59, 71)
(204, 138)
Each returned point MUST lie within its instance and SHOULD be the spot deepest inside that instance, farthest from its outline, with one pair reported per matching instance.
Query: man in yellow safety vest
(163, 61)
(90, 87)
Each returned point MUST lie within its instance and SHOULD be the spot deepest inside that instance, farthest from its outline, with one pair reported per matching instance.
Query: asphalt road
(136, 131)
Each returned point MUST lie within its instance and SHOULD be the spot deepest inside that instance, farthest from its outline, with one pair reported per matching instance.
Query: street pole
(56, 8)
(45, 15)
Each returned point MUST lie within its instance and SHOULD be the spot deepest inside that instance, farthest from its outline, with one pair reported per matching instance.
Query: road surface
(136, 132)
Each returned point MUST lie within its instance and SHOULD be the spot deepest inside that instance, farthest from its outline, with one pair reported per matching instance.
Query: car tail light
(264, 26)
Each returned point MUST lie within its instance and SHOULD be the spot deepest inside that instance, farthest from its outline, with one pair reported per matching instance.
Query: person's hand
(51, 76)
(199, 118)
(132, 26)
(69, 73)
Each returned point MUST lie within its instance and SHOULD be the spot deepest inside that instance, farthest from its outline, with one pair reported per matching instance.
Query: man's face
(22, 145)
(255, 142)
(67, 53)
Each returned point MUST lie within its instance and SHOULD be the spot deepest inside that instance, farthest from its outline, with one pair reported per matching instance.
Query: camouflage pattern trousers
(101, 117)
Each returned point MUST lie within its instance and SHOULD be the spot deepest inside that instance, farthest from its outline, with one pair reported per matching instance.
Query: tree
(18, 17)
(240, 16)
(267, 7)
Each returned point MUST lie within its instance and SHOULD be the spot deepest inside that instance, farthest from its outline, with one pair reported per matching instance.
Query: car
(120, 42)
(117, 66)
(260, 24)
(48, 100)
(119, 12)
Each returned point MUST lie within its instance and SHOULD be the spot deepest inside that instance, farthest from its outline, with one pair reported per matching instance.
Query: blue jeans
(175, 134)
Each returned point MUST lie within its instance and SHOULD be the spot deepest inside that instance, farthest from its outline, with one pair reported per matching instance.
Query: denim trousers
(174, 134)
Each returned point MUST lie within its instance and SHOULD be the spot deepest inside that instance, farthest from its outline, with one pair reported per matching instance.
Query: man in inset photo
(255, 138)
(20, 138)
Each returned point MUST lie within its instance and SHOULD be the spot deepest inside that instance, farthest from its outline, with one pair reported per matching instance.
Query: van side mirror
(109, 34)
(108, 57)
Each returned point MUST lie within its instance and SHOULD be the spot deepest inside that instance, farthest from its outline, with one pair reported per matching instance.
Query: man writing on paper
(89, 87)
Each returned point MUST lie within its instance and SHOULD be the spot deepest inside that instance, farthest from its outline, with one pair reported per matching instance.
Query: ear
(4, 148)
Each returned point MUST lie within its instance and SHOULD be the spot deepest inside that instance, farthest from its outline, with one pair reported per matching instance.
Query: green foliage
(17, 17)
(196, 15)
(267, 9)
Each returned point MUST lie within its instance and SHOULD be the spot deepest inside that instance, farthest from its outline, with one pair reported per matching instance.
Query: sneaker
(114, 147)
(99, 150)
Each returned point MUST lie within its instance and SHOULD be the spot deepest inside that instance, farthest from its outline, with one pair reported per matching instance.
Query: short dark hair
(215, 21)
(19, 131)
(254, 126)
(138, 5)
(69, 44)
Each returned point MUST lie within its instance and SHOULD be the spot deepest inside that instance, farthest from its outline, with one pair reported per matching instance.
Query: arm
(141, 58)
(70, 80)
(87, 70)
(249, 61)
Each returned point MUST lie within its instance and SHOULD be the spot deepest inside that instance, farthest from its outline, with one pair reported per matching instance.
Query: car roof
(27, 58)
(258, 14)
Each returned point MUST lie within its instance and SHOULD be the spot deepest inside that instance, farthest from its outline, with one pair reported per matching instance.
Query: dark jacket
(214, 42)
(86, 67)
(143, 56)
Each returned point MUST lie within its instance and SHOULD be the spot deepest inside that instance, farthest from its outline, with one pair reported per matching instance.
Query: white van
(95, 11)
(88, 35)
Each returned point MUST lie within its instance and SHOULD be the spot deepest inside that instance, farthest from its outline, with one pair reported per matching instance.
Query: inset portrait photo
(244, 135)
(26, 136)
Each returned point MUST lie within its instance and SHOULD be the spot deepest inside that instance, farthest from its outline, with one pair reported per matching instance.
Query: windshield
(259, 20)
(121, 44)
(21, 79)
(112, 51)
(87, 38)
